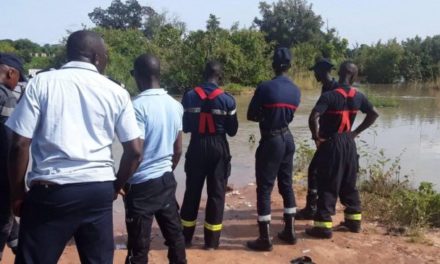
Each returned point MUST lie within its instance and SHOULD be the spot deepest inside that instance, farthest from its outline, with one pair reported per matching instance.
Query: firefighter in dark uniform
(322, 70)
(273, 106)
(336, 158)
(209, 114)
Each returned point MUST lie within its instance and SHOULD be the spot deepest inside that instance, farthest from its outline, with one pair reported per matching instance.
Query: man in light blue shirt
(71, 117)
(151, 191)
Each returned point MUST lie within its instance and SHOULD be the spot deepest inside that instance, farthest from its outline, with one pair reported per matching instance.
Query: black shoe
(353, 226)
(188, 233)
(307, 213)
(209, 248)
(188, 244)
(287, 237)
(262, 243)
(288, 234)
(319, 232)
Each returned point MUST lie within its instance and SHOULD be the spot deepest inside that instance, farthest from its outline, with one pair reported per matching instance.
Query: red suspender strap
(345, 121)
(200, 92)
(207, 118)
(215, 93)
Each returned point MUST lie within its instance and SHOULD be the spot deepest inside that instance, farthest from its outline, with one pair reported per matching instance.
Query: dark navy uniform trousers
(8, 224)
(274, 160)
(337, 163)
(143, 202)
(208, 157)
(53, 214)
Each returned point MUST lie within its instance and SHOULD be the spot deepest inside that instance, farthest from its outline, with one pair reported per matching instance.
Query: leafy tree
(7, 46)
(124, 46)
(213, 23)
(158, 21)
(380, 63)
(26, 49)
(119, 15)
(289, 22)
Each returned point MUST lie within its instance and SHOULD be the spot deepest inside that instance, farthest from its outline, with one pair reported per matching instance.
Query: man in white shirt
(71, 117)
(151, 191)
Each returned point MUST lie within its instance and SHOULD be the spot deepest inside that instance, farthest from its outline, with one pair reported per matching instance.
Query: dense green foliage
(389, 198)
(289, 22)
(130, 29)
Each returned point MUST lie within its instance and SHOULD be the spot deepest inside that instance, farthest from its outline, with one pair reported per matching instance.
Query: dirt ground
(371, 246)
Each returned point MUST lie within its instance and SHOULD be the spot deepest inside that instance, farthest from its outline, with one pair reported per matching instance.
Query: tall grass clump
(389, 198)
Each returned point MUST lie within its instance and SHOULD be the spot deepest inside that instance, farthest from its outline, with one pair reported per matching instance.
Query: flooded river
(412, 127)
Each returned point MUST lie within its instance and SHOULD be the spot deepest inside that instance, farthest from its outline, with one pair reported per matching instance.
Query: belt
(42, 183)
(273, 132)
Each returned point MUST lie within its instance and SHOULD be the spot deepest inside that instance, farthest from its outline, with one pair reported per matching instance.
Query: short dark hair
(213, 68)
(83, 44)
(147, 66)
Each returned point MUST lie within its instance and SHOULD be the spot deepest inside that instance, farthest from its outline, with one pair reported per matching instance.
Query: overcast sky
(360, 21)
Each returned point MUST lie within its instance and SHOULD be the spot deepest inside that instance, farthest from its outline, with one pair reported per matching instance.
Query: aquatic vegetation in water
(382, 101)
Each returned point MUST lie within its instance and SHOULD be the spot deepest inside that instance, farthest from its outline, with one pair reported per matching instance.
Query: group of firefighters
(209, 115)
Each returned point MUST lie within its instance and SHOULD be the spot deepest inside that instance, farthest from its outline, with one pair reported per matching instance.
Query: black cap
(322, 64)
(15, 62)
(282, 56)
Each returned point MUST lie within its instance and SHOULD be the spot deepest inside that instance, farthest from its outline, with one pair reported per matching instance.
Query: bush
(390, 200)
(235, 88)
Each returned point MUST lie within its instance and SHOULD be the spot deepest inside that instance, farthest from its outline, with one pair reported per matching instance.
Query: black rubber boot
(319, 232)
(188, 233)
(353, 226)
(212, 239)
(288, 234)
(308, 212)
(262, 243)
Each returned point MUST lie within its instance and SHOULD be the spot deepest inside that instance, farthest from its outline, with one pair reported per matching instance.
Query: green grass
(381, 101)
(388, 197)
(236, 89)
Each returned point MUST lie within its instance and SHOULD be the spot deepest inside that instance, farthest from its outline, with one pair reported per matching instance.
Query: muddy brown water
(411, 130)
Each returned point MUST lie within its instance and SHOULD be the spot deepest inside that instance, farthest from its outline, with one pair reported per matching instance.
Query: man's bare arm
(130, 161)
(371, 117)
(177, 150)
(18, 162)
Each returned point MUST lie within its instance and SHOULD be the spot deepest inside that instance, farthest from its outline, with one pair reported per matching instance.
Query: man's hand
(319, 141)
(16, 207)
(130, 160)
(354, 134)
(120, 192)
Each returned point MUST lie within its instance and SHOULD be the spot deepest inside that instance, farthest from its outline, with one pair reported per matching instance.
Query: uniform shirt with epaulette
(7, 105)
(274, 103)
(223, 110)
